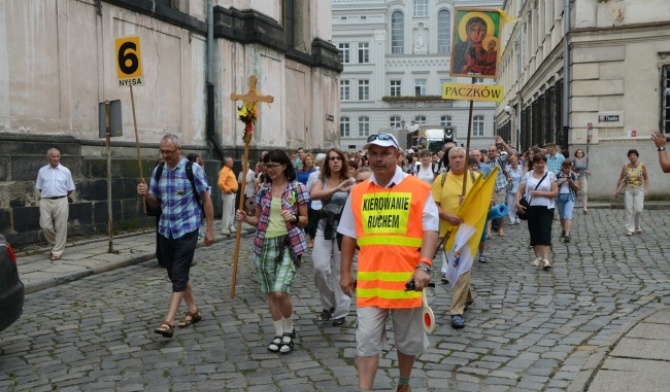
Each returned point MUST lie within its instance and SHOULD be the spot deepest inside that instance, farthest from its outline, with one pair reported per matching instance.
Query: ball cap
(382, 140)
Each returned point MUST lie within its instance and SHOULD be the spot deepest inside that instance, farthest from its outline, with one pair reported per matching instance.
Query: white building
(607, 64)
(396, 55)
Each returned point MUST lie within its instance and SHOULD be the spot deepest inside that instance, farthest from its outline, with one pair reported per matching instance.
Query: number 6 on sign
(129, 61)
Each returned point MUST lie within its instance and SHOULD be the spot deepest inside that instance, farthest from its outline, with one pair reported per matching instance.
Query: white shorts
(408, 330)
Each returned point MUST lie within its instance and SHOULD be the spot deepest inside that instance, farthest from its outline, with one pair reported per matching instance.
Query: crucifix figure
(251, 99)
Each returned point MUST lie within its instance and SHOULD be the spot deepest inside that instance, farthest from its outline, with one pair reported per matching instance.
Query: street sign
(128, 61)
(472, 92)
(115, 120)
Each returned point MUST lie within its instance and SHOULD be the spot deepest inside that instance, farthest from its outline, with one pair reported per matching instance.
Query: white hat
(503, 153)
(382, 140)
(410, 151)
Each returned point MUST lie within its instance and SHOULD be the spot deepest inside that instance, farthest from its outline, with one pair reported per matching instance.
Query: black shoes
(326, 314)
(457, 321)
(338, 321)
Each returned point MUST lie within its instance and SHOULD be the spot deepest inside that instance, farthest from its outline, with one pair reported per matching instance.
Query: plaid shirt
(181, 213)
(501, 179)
(294, 194)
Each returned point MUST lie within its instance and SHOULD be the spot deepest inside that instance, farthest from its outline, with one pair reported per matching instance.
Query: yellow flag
(462, 246)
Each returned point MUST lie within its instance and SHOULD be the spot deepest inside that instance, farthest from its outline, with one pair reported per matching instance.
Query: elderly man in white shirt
(54, 181)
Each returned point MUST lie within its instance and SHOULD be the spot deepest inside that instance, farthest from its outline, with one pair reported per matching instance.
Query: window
(395, 88)
(363, 52)
(420, 87)
(363, 18)
(344, 90)
(344, 126)
(666, 100)
(442, 82)
(363, 126)
(397, 32)
(445, 121)
(478, 126)
(343, 18)
(420, 120)
(344, 52)
(443, 31)
(420, 7)
(363, 90)
(396, 122)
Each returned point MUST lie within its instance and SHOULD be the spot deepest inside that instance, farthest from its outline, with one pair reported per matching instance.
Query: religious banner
(475, 43)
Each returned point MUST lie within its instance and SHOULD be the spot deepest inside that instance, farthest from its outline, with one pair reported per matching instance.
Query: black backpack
(157, 211)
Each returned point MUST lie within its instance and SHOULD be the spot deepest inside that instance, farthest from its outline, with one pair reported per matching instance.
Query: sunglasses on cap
(383, 136)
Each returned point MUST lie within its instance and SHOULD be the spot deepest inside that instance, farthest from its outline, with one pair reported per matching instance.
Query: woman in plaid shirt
(281, 215)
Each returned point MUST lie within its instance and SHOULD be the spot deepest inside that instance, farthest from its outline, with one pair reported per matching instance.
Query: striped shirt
(181, 213)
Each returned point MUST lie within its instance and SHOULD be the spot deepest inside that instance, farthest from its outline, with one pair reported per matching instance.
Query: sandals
(287, 342)
(190, 318)
(54, 258)
(275, 344)
(166, 329)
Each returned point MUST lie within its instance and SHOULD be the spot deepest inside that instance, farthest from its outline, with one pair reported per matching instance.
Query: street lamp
(511, 112)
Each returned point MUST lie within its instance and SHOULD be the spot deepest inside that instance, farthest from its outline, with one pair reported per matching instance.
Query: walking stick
(248, 113)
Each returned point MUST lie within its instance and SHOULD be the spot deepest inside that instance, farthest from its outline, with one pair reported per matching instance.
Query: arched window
(445, 121)
(363, 126)
(396, 122)
(344, 126)
(420, 120)
(478, 125)
(397, 32)
(443, 31)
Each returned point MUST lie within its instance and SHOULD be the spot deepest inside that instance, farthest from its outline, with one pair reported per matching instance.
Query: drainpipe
(566, 67)
(211, 124)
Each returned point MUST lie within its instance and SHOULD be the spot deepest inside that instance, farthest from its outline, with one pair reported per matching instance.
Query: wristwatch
(660, 149)
(297, 218)
(425, 269)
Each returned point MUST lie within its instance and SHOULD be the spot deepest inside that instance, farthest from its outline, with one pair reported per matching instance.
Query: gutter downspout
(211, 124)
(566, 68)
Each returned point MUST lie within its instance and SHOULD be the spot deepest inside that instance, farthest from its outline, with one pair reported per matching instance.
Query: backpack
(156, 211)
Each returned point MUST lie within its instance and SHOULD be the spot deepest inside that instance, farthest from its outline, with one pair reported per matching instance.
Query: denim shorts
(565, 208)
(177, 255)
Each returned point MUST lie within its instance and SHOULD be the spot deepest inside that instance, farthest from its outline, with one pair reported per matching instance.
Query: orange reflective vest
(389, 228)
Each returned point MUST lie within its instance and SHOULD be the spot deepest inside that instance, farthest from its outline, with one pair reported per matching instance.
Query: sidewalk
(637, 358)
(88, 256)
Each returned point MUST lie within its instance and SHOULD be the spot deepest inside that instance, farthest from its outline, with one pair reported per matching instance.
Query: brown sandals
(190, 318)
(166, 329)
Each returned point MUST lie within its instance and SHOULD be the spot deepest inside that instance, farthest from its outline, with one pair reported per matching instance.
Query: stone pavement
(599, 321)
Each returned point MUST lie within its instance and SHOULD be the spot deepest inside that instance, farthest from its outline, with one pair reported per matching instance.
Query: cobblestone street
(529, 330)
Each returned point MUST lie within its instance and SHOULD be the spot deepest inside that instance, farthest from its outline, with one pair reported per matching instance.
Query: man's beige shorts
(408, 331)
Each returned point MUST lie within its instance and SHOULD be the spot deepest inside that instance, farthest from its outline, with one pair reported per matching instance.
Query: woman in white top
(424, 170)
(540, 188)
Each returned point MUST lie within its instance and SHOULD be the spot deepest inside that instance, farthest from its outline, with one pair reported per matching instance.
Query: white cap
(383, 140)
(410, 151)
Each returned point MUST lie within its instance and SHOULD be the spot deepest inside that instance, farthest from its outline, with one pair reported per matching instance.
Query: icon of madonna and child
(475, 52)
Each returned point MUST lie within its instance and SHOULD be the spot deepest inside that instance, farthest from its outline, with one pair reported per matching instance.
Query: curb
(587, 373)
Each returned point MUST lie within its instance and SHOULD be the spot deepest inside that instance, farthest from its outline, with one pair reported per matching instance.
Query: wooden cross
(252, 97)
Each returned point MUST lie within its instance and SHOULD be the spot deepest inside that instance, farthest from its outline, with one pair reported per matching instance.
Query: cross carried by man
(251, 112)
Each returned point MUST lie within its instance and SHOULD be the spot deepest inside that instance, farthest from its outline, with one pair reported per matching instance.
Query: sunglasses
(335, 158)
(383, 136)
(272, 165)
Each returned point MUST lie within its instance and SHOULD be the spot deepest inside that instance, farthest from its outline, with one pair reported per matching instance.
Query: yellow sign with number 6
(128, 61)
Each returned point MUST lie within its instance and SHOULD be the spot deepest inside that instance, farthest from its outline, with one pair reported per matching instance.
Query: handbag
(526, 203)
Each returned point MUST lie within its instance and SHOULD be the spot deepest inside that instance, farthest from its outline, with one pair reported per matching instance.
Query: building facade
(589, 74)
(58, 60)
(396, 55)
